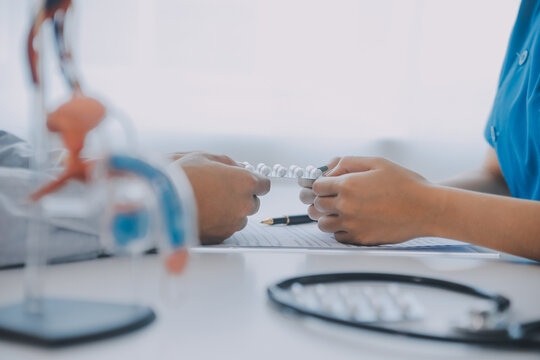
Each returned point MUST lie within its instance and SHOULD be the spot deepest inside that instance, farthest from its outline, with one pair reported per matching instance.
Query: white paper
(309, 236)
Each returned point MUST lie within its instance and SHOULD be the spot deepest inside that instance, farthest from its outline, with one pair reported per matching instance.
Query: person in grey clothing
(225, 193)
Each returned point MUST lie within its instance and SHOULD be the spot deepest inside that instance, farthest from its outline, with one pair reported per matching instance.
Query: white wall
(286, 80)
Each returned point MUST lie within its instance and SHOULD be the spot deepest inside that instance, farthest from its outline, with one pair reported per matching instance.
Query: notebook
(308, 236)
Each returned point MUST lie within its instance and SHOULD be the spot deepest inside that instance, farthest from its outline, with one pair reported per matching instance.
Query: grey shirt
(69, 239)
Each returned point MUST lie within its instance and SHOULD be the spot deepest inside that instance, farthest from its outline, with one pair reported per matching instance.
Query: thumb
(333, 163)
(351, 164)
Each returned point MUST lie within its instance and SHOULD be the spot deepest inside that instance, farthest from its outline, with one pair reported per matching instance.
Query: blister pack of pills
(360, 302)
(280, 171)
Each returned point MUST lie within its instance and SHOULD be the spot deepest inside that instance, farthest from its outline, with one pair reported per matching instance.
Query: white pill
(411, 307)
(390, 311)
(364, 312)
(315, 173)
(297, 289)
(343, 292)
(378, 308)
(311, 302)
(393, 289)
(352, 302)
(260, 166)
(339, 309)
(351, 307)
(279, 170)
(309, 168)
(320, 290)
(298, 172)
(265, 170)
(327, 304)
(368, 291)
(250, 167)
(405, 309)
(290, 171)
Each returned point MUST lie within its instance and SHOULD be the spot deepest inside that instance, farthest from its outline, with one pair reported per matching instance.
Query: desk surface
(222, 309)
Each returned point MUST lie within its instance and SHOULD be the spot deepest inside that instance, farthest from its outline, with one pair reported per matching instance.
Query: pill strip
(363, 304)
(280, 171)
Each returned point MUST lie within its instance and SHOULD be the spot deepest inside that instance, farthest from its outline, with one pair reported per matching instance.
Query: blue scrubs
(513, 127)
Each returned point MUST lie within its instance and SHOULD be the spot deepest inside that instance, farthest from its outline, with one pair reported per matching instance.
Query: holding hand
(226, 193)
(370, 201)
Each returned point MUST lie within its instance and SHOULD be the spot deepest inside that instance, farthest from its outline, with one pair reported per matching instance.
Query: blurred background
(287, 81)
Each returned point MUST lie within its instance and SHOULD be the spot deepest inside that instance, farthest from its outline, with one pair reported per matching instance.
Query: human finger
(325, 204)
(307, 196)
(242, 223)
(262, 185)
(332, 164)
(306, 183)
(175, 155)
(326, 186)
(255, 205)
(314, 213)
(351, 164)
(224, 159)
(329, 223)
(343, 237)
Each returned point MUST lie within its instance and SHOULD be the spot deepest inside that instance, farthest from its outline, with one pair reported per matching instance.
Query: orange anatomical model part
(74, 119)
(176, 261)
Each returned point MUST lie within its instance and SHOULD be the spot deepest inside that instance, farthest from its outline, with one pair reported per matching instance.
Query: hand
(369, 201)
(307, 196)
(219, 158)
(226, 194)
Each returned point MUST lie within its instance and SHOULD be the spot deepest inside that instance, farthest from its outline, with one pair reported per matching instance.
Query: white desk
(224, 312)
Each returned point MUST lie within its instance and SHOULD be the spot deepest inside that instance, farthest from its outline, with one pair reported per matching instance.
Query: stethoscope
(483, 327)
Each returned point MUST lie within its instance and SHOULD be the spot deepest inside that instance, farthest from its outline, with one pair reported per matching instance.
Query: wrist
(434, 208)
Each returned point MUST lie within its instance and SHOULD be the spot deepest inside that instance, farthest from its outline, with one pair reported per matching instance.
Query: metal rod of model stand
(37, 231)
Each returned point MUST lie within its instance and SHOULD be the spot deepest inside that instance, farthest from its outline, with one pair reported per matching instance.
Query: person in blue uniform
(373, 201)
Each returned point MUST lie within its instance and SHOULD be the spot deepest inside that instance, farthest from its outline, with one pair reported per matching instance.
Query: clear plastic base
(66, 321)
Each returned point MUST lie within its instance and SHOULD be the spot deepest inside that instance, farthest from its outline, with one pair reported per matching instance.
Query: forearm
(503, 223)
(480, 181)
(488, 179)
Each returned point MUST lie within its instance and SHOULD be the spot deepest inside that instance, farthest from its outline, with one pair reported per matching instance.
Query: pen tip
(268, 221)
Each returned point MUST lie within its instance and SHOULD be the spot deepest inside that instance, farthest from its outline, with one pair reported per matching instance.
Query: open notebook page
(308, 236)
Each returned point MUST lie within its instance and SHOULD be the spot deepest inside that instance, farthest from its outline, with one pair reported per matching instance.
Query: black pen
(323, 168)
(289, 220)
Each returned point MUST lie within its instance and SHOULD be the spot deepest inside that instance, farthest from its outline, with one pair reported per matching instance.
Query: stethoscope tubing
(500, 301)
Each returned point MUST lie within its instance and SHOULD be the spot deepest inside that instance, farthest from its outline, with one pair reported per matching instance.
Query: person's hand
(307, 196)
(219, 158)
(226, 194)
(369, 201)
